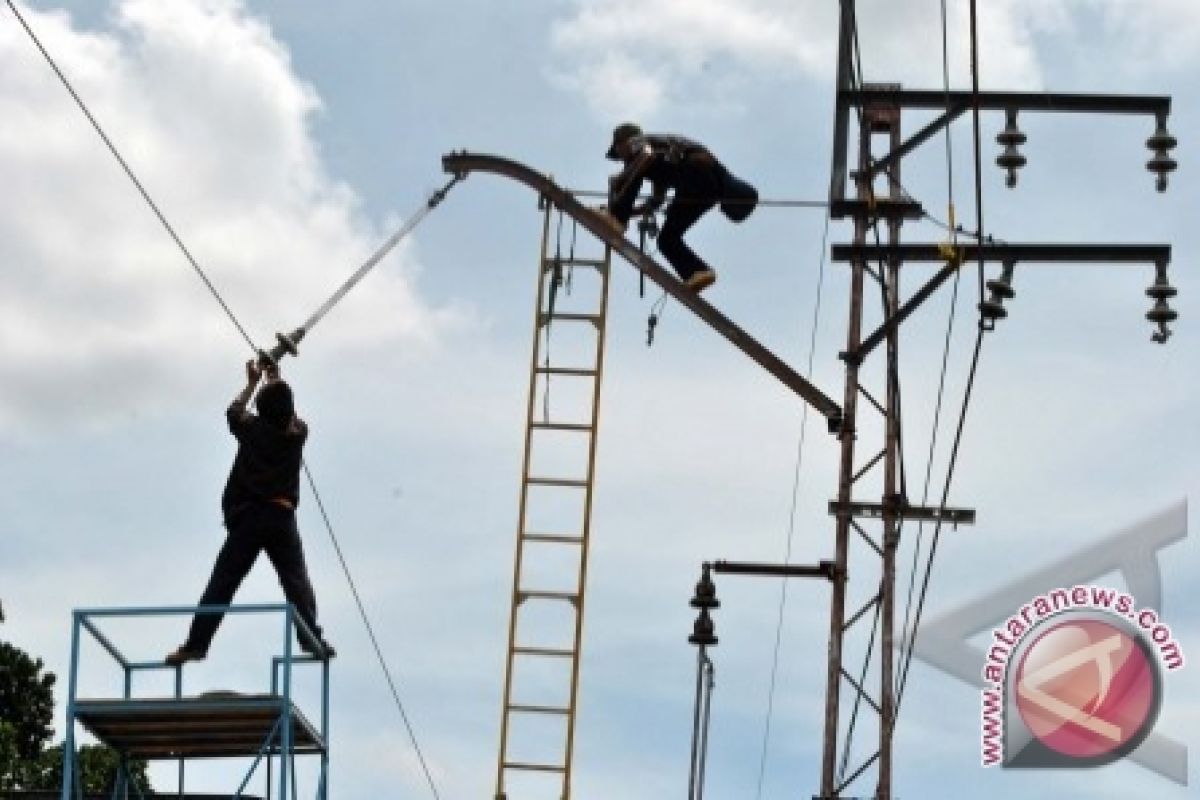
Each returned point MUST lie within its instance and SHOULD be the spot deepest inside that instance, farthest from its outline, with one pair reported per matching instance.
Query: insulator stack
(703, 631)
(706, 591)
(1010, 139)
(1161, 143)
(1161, 313)
(993, 308)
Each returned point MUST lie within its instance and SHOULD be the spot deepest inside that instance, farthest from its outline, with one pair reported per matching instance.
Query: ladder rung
(577, 262)
(570, 317)
(556, 482)
(587, 373)
(552, 537)
(562, 426)
(544, 651)
(534, 767)
(539, 709)
(523, 594)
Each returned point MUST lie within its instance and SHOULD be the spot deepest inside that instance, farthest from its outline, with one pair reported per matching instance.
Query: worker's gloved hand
(607, 218)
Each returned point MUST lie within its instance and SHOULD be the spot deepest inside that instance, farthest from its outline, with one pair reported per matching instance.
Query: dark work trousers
(262, 526)
(697, 190)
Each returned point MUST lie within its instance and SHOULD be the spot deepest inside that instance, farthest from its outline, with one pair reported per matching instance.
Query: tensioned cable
(977, 134)
(974, 359)
(726, 200)
(906, 638)
(787, 558)
(937, 530)
(233, 319)
(905, 641)
(949, 136)
(371, 632)
(141, 189)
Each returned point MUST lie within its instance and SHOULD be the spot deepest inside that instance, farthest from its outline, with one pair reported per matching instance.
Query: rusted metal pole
(837, 610)
(887, 589)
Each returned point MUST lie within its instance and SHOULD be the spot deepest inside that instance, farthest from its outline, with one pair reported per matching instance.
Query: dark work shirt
(663, 168)
(267, 464)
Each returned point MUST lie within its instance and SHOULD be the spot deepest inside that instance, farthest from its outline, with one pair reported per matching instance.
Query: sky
(285, 141)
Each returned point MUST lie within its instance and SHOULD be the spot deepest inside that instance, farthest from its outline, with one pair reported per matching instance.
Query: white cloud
(645, 51)
(633, 57)
(1155, 33)
(206, 108)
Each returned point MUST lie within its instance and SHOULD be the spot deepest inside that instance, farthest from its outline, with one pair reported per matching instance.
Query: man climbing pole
(699, 180)
(259, 506)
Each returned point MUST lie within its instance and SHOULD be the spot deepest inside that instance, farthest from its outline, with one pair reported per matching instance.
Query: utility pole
(876, 527)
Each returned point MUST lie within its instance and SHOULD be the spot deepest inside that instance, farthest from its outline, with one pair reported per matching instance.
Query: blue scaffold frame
(278, 741)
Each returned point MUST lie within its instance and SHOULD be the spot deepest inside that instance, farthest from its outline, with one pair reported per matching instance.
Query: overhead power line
(787, 558)
(133, 178)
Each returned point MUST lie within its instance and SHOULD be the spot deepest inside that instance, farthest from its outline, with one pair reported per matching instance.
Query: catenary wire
(241, 330)
(937, 530)
(907, 659)
(387, 673)
(762, 203)
(812, 346)
(905, 640)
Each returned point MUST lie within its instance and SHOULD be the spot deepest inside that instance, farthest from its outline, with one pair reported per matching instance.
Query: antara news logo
(1074, 679)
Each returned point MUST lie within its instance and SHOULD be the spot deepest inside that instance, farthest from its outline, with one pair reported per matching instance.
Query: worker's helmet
(275, 404)
(621, 134)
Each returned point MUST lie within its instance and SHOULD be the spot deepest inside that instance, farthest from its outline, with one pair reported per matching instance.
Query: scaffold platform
(265, 727)
(195, 727)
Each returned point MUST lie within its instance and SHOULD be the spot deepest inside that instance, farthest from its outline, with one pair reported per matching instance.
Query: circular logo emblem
(1088, 689)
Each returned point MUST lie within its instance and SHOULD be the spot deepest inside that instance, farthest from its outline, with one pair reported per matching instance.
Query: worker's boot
(184, 654)
(701, 279)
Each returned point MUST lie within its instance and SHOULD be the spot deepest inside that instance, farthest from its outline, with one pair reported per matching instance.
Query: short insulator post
(1011, 138)
(993, 308)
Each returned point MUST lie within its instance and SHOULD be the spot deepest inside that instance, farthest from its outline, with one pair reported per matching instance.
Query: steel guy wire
(812, 347)
(975, 357)
(132, 177)
(387, 673)
(952, 228)
(241, 330)
(938, 526)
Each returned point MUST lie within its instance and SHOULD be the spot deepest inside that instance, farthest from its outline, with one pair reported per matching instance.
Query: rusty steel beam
(1049, 102)
(823, 569)
(1022, 253)
(463, 163)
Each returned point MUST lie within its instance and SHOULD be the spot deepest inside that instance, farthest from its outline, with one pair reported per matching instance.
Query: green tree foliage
(26, 716)
(26, 713)
(98, 767)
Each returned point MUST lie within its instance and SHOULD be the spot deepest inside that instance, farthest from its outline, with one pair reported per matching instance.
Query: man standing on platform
(259, 506)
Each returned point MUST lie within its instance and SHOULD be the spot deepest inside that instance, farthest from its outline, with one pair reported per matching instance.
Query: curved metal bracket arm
(462, 163)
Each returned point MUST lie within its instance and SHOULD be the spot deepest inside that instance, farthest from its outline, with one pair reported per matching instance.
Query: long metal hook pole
(287, 343)
(412, 222)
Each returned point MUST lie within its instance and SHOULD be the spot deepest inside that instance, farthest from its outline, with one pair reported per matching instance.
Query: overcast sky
(285, 140)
